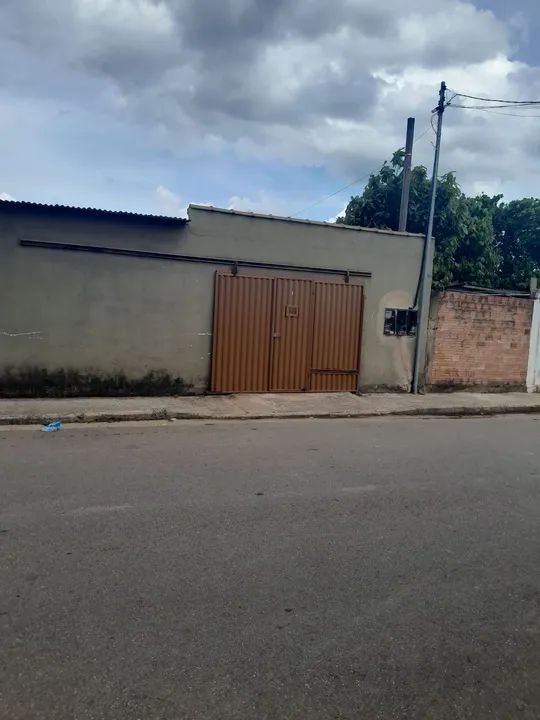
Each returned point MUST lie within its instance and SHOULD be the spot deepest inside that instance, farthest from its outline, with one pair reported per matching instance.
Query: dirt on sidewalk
(255, 406)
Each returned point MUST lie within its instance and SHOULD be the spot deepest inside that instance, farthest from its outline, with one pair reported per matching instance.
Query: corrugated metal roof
(89, 212)
(338, 226)
(464, 287)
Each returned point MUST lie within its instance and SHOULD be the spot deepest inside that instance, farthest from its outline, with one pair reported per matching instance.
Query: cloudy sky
(263, 105)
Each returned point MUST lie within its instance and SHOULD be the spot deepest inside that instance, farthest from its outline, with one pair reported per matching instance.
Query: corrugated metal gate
(335, 357)
(291, 334)
(285, 335)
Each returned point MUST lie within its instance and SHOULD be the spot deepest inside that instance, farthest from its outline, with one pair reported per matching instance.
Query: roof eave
(98, 213)
(282, 218)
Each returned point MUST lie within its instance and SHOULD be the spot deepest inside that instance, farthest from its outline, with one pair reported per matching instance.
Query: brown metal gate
(335, 357)
(285, 335)
(241, 346)
(291, 334)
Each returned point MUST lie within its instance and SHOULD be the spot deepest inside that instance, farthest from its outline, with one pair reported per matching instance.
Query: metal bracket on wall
(234, 268)
(347, 277)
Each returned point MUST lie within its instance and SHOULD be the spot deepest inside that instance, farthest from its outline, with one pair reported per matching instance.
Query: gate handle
(276, 335)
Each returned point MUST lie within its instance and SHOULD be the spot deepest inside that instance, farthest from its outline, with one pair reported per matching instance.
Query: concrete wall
(98, 324)
(533, 365)
(479, 341)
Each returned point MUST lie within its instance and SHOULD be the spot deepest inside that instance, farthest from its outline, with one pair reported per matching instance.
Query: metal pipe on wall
(233, 263)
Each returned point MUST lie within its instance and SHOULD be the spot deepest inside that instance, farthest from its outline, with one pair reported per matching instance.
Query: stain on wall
(35, 382)
(75, 323)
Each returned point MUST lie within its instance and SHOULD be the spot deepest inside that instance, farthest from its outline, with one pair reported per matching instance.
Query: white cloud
(339, 214)
(169, 203)
(6, 196)
(311, 83)
(261, 202)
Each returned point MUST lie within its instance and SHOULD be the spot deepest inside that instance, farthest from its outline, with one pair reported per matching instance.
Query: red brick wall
(478, 340)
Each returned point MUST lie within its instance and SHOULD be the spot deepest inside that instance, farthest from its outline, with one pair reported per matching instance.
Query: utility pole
(427, 259)
(406, 176)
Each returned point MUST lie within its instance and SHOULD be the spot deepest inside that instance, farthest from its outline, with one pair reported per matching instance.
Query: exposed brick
(480, 340)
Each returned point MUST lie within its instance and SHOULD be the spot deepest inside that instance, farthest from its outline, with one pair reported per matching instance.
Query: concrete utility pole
(406, 176)
(427, 260)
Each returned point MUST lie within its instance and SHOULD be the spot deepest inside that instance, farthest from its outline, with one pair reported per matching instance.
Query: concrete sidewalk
(254, 407)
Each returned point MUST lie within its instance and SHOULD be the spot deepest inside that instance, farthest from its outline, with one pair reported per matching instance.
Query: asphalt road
(344, 569)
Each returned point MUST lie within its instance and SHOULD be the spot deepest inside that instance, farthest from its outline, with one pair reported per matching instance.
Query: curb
(164, 414)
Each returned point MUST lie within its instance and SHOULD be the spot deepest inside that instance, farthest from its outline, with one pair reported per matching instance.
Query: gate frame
(296, 276)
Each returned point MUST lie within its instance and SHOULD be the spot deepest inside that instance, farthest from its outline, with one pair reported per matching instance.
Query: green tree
(465, 250)
(516, 228)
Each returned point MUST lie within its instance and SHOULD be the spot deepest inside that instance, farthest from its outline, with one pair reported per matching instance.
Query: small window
(400, 322)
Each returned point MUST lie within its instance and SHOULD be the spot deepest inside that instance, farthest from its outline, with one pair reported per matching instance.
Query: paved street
(283, 569)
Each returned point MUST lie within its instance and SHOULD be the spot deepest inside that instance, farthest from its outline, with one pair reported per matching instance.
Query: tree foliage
(516, 227)
(478, 240)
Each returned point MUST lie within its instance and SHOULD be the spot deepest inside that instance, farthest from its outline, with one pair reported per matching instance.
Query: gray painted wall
(102, 316)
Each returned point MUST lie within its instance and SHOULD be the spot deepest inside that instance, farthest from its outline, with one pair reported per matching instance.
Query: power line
(496, 112)
(421, 135)
(491, 107)
(327, 197)
(495, 100)
(357, 182)
(496, 104)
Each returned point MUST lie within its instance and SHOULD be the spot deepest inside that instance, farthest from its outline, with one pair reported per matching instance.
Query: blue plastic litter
(52, 427)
